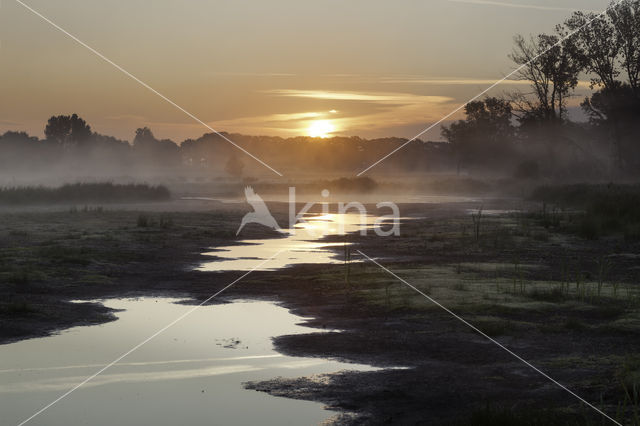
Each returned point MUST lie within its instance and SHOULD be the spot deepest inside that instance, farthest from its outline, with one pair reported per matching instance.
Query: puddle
(190, 374)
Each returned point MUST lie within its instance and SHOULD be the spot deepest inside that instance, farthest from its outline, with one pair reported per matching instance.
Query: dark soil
(450, 374)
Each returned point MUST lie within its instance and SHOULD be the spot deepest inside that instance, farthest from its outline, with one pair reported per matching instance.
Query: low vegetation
(592, 211)
(518, 276)
(83, 193)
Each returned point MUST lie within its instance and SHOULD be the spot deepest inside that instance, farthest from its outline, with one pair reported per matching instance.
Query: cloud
(274, 118)
(126, 117)
(456, 81)
(385, 109)
(521, 5)
(371, 110)
(356, 112)
(395, 116)
(276, 124)
(451, 81)
(371, 97)
(255, 74)
(377, 110)
(365, 113)
(9, 123)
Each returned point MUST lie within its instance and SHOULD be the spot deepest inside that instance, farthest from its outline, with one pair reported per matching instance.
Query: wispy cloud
(273, 118)
(125, 117)
(254, 74)
(375, 97)
(276, 124)
(362, 110)
(450, 81)
(521, 5)
(393, 117)
(456, 81)
(9, 123)
(350, 112)
(385, 109)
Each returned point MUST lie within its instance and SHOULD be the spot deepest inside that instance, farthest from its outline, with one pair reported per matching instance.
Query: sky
(371, 68)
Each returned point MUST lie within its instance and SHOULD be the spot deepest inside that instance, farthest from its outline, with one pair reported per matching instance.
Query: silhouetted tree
(596, 46)
(552, 67)
(67, 129)
(144, 137)
(625, 17)
(607, 46)
(485, 136)
(160, 153)
(58, 128)
(234, 166)
(17, 138)
(615, 113)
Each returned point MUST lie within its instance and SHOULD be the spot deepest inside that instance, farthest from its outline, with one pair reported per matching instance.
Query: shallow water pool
(190, 374)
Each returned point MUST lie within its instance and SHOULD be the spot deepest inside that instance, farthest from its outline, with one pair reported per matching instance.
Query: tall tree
(597, 46)
(625, 18)
(552, 67)
(608, 46)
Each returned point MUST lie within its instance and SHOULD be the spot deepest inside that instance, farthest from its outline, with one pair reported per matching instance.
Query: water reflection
(302, 246)
(190, 374)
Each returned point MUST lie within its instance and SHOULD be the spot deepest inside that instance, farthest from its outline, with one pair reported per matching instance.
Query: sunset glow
(320, 129)
(245, 85)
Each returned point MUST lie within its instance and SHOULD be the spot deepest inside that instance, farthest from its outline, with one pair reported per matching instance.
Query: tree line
(536, 123)
(72, 149)
(525, 134)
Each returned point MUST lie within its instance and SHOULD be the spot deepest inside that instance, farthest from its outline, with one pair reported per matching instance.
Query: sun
(320, 129)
